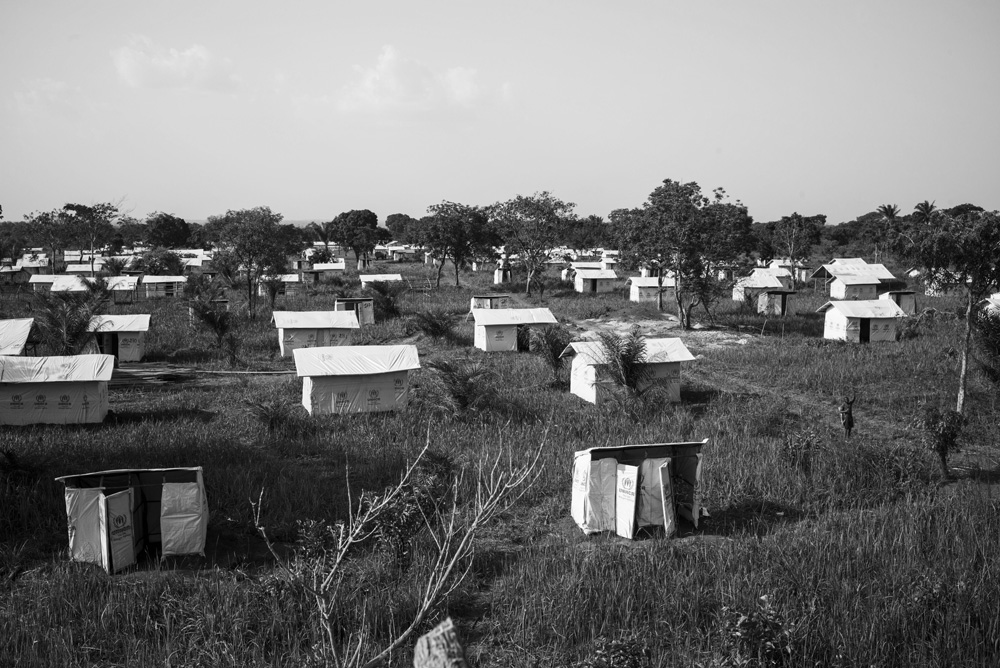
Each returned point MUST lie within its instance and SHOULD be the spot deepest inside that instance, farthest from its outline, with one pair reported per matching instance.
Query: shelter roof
(658, 351)
(64, 283)
(85, 267)
(56, 369)
(866, 308)
(601, 274)
(849, 279)
(848, 260)
(650, 281)
(760, 279)
(387, 278)
(122, 283)
(42, 278)
(316, 320)
(875, 271)
(112, 472)
(164, 279)
(133, 322)
(513, 316)
(13, 335)
(587, 265)
(355, 360)
(330, 266)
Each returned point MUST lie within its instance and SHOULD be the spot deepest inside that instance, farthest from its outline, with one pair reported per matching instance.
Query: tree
(963, 250)
(358, 230)
(13, 240)
(128, 233)
(685, 234)
(91, 226)
(167, 230)
(400, 224)
(49, 230)
(160, 262)
(324, 232)
(530, 227)
(457, 232)
(63, 318)
(794, 236)
(586, 234)
(258, 243)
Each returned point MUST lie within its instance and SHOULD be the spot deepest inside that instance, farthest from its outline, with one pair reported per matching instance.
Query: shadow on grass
(158, 415)
(753, 518)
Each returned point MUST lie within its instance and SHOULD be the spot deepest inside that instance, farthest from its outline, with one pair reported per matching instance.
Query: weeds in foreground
(458, 387)
(438, 323)
(549, 342)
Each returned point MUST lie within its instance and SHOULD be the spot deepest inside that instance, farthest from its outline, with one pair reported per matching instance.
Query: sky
(315, 107)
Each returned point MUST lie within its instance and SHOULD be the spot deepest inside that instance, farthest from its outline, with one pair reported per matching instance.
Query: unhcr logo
(398, 382)
(15, 401)
(627, 484)
(64, 401)
(40, 400)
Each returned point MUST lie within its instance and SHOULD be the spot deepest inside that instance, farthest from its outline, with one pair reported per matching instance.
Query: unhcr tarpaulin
(123, 336)
(54, 390)
(496, 329)
(355, 379)
(14, 334)
(113, 515)
(595, 482)
(314, 329)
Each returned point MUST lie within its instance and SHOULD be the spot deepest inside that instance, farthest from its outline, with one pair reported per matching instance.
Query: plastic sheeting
(14, 334)
(76, 402)
(69, 368)
(374, 393)
(315, 320)
(355, 360)
(183, 517)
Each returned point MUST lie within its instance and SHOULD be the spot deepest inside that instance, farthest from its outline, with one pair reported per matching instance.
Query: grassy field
(818, 551)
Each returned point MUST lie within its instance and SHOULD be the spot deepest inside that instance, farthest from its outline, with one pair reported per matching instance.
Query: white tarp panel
(626, 500)
(364, 308)
(117, 539)
(595, 483)
(14, 334)
(120, 323)
(183, 517)
(64, 283)
(315, 320)
(372, 393)
(489, 302)
(664, 357)
(513, 316)
(495, 338)
(76, 402)
(56, 369)
(379, 278)
(83, 510)
(355, 360)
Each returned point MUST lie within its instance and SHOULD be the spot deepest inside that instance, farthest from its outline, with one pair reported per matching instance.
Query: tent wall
(496, 338)
(126, 346)
(490, 302)
(163, 290)
(774, 303)
(585, 285)
(584, 384)
(326, 395)
(74, 402)
(583, 379)
(840, 327)
(363, 308)
(290, 339)
(638, 293)
(840, 290)
(905, 300)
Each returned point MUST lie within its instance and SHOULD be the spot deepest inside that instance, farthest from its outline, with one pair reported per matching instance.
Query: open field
(818, 551)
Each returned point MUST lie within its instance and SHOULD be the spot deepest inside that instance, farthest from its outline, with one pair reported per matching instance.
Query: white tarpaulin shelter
(54, 390)
(594, 280)
(363, 307)
(14, 334)
(854, 287)
(164, 286)
(853, 278)
(314, 329)
(355, 379)
(288, 284)
(68, 283)
(663, 360)
(123, 336)
(379, 278)
(646, 288)
(775, 302)
(123, 288)
(666, 485)
(496, 329)
(114, 515)
(41, 282)
(861, 321)
(905, 299)
(749, 287)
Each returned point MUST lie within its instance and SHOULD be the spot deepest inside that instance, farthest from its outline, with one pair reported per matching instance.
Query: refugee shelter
(574, 267)
(68, 283)
(588, 377)
(288, 284)
(363, 307)
(14, 275)
(775, 302)
(14, 335)
(623, 489)
(54, 390)
(367, 279)
(489, 301)
(854, 287)
(355, 379)
(905, 299)
(123, 336)
(313, 329)
(114, 515)
(496, 329)
(123, 288)
(41, 282)
(646, 288)
(159, 287)
(861, 321)
(749, 288)
(501, 275)
(594, 280)
(853, 278)
(325, 270)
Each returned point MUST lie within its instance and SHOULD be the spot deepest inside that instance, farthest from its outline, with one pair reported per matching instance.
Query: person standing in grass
(847, 415)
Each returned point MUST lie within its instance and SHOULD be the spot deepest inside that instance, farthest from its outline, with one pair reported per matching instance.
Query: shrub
(459, 386)
(941, 431)
(549, 342)
(385, 299)
(63, 318)
(436, 322)
(626, 359)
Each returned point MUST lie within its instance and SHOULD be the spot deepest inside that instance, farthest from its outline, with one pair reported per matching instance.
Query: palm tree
(63, 318)
(324, 232)
(113, 267)
(923, 211)
(889, 212)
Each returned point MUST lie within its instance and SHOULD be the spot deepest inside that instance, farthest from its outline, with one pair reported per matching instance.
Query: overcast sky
(317, 107)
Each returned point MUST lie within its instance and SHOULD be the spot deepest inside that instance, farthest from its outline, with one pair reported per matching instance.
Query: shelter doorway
(593, 286)
(865, 330)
